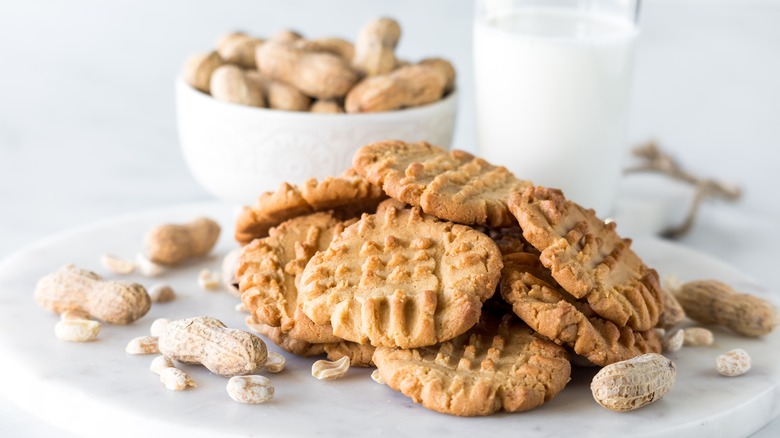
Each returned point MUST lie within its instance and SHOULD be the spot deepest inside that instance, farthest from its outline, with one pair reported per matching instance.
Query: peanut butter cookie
(269, 268)
(401, 279)
(451, 185)
(494, 366)
(588, 258)
(348, 196)
(538, 300)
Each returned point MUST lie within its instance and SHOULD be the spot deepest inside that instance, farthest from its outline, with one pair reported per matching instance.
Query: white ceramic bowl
(237, 152)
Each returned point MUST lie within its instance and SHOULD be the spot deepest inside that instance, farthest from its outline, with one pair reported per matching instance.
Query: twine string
(654, 160)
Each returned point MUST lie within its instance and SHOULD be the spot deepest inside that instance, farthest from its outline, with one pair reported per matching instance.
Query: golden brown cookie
(494, 366)
(588, 258)
(269, 268)
(348, 196)
(538, 300)
(401, 278)
(359, 355)
(272, 209)
(451, 185)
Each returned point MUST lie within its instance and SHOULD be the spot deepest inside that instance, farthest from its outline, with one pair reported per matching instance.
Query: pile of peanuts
(83, 300)
(325, 75)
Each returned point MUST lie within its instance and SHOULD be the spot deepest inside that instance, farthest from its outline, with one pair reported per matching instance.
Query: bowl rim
(440, 104)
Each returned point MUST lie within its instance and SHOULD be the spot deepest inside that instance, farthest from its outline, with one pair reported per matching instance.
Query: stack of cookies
(469, 289)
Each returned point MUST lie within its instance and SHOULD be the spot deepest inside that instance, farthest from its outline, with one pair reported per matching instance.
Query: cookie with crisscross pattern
(401, 278)
(269, 269)
(494, 366)
(348, 195)
(451, 185)
(588, 258)
(539, 301)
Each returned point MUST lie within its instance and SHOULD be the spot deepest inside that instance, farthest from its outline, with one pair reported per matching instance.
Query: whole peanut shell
(408, 86)
(714, 302)
(445, 68)
(239, 49)
(79, 290)
(633, 383)
(320, 75)
(231, 84)
(198, 69)
(207, 341)
(375, 46)
(280, 96)
(170, 244)
(336, 46)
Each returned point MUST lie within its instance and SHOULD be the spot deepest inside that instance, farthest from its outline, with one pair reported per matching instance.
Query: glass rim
(507, 6)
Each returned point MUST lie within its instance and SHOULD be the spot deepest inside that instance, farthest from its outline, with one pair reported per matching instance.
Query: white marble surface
(87, 127)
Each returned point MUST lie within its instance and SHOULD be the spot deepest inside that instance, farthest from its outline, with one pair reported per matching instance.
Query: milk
(552, 98)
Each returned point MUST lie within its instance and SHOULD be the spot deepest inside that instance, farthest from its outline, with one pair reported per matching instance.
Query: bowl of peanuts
(254, 113)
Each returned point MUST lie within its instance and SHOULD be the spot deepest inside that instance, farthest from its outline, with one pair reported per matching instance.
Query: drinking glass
(553, 80)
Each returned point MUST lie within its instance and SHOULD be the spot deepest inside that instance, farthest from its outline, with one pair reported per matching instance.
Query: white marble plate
(96, 389)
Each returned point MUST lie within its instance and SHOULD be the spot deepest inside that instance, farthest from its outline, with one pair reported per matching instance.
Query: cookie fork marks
(401, 279)
(451, 185)
(348, 195)
(588, 259)
(547, 308)
(495, 366)
(269, 269)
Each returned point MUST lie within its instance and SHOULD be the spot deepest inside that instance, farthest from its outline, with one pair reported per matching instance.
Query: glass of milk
(552, 91)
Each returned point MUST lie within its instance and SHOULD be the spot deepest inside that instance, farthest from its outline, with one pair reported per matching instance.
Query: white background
(87, 123)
